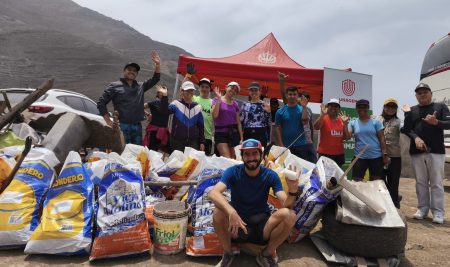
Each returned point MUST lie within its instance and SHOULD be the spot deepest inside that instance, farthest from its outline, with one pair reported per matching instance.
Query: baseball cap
(390, 100)
(132, 64)
(334, 101)
(187, 85)
(254, 85)
(362, 102)
(234, 84)
(250, 144)
(204, 80)
(422, 86)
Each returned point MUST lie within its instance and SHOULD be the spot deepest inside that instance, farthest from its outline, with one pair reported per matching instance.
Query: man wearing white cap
(333, 131)
(187, 123)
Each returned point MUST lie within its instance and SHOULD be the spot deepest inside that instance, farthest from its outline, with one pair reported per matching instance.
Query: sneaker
(226, 261)
(438, 218)
(266, 261)
(419, 215)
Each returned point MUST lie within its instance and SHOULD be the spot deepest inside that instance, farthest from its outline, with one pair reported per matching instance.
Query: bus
(436, 73)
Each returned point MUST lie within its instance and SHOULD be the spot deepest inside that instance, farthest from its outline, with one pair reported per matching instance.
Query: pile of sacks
(45, 213)
(48, 213)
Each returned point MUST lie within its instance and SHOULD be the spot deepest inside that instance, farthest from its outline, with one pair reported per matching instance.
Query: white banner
(346, 86)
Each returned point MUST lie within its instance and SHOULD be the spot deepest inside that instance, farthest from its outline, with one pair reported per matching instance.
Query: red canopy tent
(261, 63)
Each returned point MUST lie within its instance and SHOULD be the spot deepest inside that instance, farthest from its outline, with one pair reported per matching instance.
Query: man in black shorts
(247, 217)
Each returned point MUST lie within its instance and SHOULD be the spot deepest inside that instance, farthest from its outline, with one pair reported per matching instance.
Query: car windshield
(14, 97)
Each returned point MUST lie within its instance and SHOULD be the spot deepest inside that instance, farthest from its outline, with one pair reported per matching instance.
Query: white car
(54, 102)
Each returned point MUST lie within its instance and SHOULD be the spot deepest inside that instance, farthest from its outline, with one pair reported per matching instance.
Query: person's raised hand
(218, 93)
(293, 184)
(155, 58)
(282, 76)
(431, 119)
(266, 106)
(345, 119)
(323, 109)
(406, 108)
(190, 68)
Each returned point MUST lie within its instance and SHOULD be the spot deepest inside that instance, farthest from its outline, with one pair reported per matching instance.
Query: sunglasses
(362, 106)
(390, 106)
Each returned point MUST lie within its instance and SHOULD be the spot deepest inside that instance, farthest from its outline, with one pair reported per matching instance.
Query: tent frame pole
(176, 86)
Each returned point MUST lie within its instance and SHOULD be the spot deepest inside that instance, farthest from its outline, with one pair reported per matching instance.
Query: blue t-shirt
(366, 133)
(289, 118)
(249, 194)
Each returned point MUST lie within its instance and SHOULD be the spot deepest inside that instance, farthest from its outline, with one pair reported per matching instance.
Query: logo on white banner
(348, 87)
(267, 58)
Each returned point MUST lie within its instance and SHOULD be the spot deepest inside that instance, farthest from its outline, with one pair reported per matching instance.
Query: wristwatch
(296, 194)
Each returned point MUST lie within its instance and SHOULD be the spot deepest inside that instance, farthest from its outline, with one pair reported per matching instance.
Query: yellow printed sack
(66, 223)
(21, 201)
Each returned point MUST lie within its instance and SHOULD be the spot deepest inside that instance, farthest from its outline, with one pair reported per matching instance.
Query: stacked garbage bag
(104, 205)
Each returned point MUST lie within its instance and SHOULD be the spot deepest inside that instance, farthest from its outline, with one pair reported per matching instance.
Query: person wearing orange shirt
(333, 131)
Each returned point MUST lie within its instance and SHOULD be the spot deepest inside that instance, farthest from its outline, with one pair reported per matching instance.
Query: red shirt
(331, 136)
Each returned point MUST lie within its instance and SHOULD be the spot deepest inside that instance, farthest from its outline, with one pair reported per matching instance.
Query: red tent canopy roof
(261, 63)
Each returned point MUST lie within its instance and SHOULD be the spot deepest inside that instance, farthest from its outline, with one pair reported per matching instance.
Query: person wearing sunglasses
(392, 171)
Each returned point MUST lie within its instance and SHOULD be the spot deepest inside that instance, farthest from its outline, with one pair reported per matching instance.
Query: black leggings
(391, 176)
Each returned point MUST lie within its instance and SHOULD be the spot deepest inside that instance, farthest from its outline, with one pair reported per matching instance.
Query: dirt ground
(428, 245)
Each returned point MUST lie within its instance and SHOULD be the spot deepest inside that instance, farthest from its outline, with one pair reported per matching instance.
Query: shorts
(339, 159)
(375, 167)
(259, 134)
(231, 138)
(255, 229)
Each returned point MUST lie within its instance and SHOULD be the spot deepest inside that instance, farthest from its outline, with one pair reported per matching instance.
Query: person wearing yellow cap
(393, 169)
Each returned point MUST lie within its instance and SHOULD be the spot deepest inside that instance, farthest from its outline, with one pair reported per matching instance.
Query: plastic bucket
(170, 226)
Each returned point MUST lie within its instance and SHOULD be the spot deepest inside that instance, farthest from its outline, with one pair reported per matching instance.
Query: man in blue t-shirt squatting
(247, 218)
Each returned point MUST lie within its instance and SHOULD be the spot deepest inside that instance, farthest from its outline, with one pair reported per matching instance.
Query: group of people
(217, 125)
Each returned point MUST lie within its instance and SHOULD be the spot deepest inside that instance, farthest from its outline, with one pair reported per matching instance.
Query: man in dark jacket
(127, 96)
(425, 124)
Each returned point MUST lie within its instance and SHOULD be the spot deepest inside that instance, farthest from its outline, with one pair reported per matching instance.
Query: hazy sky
(387, 39)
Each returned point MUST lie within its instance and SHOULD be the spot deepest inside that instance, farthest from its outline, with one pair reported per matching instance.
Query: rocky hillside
(83, 49)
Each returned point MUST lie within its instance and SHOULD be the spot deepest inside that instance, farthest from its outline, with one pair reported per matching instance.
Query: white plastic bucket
(170, 226)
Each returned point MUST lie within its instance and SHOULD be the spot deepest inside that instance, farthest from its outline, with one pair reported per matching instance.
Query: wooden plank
(170, 183)
(360, 261)
(382, 262)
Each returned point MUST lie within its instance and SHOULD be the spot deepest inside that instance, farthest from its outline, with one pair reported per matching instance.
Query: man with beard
(247, 217)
